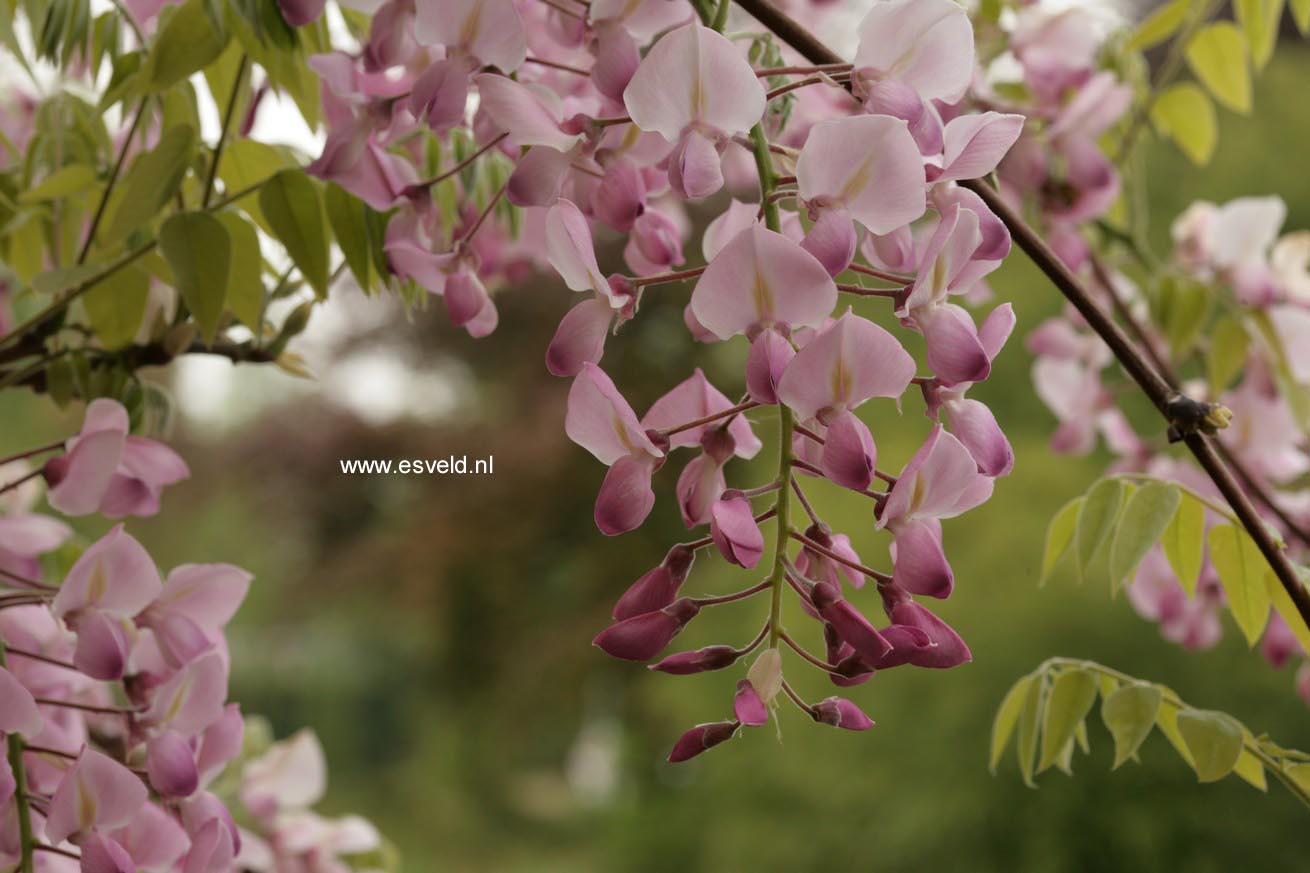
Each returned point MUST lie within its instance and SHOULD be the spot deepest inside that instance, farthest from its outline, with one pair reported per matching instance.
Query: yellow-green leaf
(1129, 712)
(247, 162)
(1072, 694)
(1007, 716)
(1058, 536)
(197, 247)
(1147, 513)
(150, 183)
(1159, 25)
(1029, 726)
(1218, 57)
(1184, 542)
(186, 43)
(1301, 15)
(1229, 345)
(116, 305)
(1260, 20)
(1282, 602)
(1096, 519)
(61, 183)
(245, 286)
(349, 219)
(1184, 114)
(1251, 770)
(1214, 740)
(291, 204)
(1241, 569)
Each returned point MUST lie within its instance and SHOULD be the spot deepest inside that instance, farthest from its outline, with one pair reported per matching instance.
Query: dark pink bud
(658, 587)
(850, 625)
(851, 671)
(947, 649)
(699, 661)
(642, 637)
(769, 356)
(747, 705)
(700, 738)
(840, 712)
(735, 531)
(171, 765)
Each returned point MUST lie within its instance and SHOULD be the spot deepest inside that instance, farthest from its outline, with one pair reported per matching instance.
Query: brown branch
(1169, 402)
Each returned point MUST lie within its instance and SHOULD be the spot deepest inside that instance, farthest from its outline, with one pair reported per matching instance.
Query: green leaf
(1259, 20)
(199, 250)
(1129, 712)
(153, 179)
(1301, 15)
(1184, 542)
(1159, 25)
(1218, 57)
(68, 180)
(1146, 515)
(187, 43)
(1229, 345)
(1096, 520)
(245, 285)
(1184, 114)
(1059, 534)
(1007, 717)
(1182, 308)
(1241, 569)
(349, 220)
(116, 305)
(1029, 725)
(246, 162)
(62, 279)
(1214, 740)
(1251, 770)
(1282, 602)
(292, 207)
(1072, 694)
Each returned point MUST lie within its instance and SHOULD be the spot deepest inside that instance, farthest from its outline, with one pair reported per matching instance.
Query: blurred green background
(435, 631)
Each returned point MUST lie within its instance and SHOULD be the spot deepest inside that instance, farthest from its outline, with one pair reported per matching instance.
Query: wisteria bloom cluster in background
(613, 120)
(114, 689)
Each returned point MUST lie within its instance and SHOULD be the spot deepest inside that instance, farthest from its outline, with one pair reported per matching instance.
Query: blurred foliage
(435, 629)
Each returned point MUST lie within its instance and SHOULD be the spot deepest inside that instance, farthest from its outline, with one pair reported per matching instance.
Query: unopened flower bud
(698, 661)
(700, 738)
(658, 587)
(853, 627)
(840, 712)
(642, 637)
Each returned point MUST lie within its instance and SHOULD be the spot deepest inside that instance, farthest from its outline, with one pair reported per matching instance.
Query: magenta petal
(626, 496)
(698, 661)
(747, 705)
(700, 738)
(441, 93)
(849, 454)
(769, 356)
(955, 353)
(700, 485)
(832, 240)
(103, 645)
(100, 854)
(975, 426)
(18, 712)
(171, 765)
(840, 712)
(735, 531)
(850, 625)
(621, 196)
(695, 169)
(920, 563)
(642, 637)
(538, 177)
(907, 644)
(657, 588)
(948, 649)
(580, 337)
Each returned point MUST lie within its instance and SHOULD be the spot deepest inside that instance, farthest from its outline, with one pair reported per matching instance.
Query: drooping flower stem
(22, 810)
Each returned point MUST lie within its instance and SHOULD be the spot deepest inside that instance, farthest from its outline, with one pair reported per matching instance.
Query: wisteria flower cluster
(114, 690)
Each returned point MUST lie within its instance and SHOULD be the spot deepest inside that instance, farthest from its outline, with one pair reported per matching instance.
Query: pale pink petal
(936, 481)
(531, 114)
(926, 44)
(735, 531)
(101, 854)
(947, 254)
(441, 93)
(694, 75)
(153, 838)
(726, 226)
(700, 485)
(692, 399)
(220, 743)
(867, 164)
(570, 250)
(208, 594)
(538, 177)
(96, 792)
(975, 144)
(617, 58)
(769, 357)
(580, 337)
(849, 454)
(762, 278)
(955, 353)
(193, 698)
(80, 478)
(601, 421)
(641, 18)
(695, 170)
(103, 645)
(490, 30)
(292, 774)
(832, 240)
(171, 765)
(115, 574)
(32, 535)
(18, 712)
(844, 366)
(975, 426)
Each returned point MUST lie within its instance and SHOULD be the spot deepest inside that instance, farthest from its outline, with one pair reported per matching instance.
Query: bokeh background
(435, 630)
